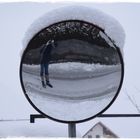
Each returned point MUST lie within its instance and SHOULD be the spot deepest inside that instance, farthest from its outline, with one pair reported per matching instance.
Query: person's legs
(46, 66)
(46, 72)
(47, 75)
(42, 74)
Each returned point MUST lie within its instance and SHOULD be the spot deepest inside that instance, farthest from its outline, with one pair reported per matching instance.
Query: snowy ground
(93, 85)
(41, 128)
(73, 70)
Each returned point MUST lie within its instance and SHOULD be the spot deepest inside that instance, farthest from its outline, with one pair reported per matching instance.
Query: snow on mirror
(71, 71)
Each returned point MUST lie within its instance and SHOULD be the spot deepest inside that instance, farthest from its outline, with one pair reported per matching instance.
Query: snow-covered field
(73, 70)
(41, 128)
(76, 86)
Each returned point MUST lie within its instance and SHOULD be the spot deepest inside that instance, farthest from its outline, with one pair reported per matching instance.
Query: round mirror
(71, 71)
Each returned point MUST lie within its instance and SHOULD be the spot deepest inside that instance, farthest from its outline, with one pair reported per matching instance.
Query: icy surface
(111, 27)
(69, 95)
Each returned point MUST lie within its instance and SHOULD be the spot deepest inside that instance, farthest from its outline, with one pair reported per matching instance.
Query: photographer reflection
(45, 57)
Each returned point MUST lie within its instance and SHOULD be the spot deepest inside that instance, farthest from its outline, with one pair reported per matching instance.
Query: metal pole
(72, 130)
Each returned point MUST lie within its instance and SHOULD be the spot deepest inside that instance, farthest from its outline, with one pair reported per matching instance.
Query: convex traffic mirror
(71, 71)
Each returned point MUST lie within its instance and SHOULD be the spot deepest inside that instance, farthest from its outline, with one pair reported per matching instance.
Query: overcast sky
(14, 22)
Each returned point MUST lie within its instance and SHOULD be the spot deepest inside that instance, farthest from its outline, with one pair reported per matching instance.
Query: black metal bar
(72, 130)
(35, 116)
(32, 119)
(39, 116)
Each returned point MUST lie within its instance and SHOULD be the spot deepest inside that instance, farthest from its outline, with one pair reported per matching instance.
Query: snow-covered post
(85, 68)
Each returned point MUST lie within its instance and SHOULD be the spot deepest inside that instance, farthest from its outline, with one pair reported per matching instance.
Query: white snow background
(14, 22)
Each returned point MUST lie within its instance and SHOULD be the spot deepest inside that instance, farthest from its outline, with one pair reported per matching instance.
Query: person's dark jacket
(45, 53)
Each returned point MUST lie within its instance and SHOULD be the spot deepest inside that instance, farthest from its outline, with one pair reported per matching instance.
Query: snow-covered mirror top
(110, 25)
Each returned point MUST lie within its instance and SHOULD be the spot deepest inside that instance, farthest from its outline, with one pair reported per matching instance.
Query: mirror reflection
(71, 70)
